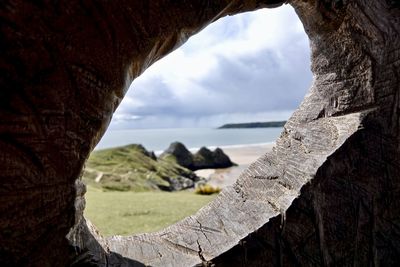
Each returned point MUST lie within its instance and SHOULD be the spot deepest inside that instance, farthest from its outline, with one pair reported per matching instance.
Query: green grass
(131, 168)
(125, 213)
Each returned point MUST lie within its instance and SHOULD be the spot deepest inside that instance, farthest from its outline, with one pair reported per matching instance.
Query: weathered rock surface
(328, 194)
(180, 153)
(207, 159)
(202, 159)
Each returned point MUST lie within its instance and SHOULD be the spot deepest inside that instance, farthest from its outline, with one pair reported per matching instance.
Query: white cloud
(125, 117)
(252, 65)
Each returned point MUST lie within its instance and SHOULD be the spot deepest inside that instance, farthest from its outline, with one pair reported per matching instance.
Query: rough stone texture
(202, 159)
(182, 155)
(207, 159)
(328, 194)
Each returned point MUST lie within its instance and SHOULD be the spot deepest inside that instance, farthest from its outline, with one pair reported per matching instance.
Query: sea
(193, 138)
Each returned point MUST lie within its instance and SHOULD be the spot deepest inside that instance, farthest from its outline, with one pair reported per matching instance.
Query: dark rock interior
(328, 194)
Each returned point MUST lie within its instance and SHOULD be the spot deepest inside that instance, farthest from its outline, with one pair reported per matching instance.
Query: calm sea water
(159, 139)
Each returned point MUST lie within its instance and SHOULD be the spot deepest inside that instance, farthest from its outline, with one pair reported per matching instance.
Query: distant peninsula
(269, 124)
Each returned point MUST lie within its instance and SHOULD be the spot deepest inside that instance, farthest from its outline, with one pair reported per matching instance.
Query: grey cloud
(156, 96)
(254, 83)
(249, 83)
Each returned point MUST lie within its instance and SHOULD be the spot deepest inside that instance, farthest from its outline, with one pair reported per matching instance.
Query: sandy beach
(241, 155)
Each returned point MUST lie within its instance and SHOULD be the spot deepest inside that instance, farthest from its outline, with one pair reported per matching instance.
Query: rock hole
(245, 68)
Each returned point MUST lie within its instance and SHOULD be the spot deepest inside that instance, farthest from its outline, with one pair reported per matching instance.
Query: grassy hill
(133, 168)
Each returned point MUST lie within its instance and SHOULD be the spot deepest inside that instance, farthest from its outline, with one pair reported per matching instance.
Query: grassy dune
(131, 168)
(125, 213)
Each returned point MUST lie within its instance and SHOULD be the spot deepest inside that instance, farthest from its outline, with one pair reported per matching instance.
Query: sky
(244, 68)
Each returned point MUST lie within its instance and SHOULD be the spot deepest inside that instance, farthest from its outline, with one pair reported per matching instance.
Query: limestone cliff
(202, 159)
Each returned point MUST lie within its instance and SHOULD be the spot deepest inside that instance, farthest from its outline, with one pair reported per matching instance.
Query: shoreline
(192, 138)
(243, 156)
(225, 147)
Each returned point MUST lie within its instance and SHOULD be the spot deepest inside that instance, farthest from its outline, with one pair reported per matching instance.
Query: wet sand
(243, 156)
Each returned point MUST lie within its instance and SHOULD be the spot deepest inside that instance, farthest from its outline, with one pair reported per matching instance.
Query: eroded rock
(335, 196)
(180, 153)
(202, 159)
(207, 159)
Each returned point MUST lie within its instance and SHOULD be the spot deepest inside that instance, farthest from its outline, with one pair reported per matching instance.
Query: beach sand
(241, 155)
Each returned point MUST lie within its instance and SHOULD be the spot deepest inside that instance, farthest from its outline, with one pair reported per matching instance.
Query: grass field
(125, 213)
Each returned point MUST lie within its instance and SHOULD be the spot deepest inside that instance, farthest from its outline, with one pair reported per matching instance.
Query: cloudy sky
(249, 67)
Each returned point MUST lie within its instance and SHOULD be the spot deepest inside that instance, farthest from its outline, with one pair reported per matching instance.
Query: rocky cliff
(202, 159)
